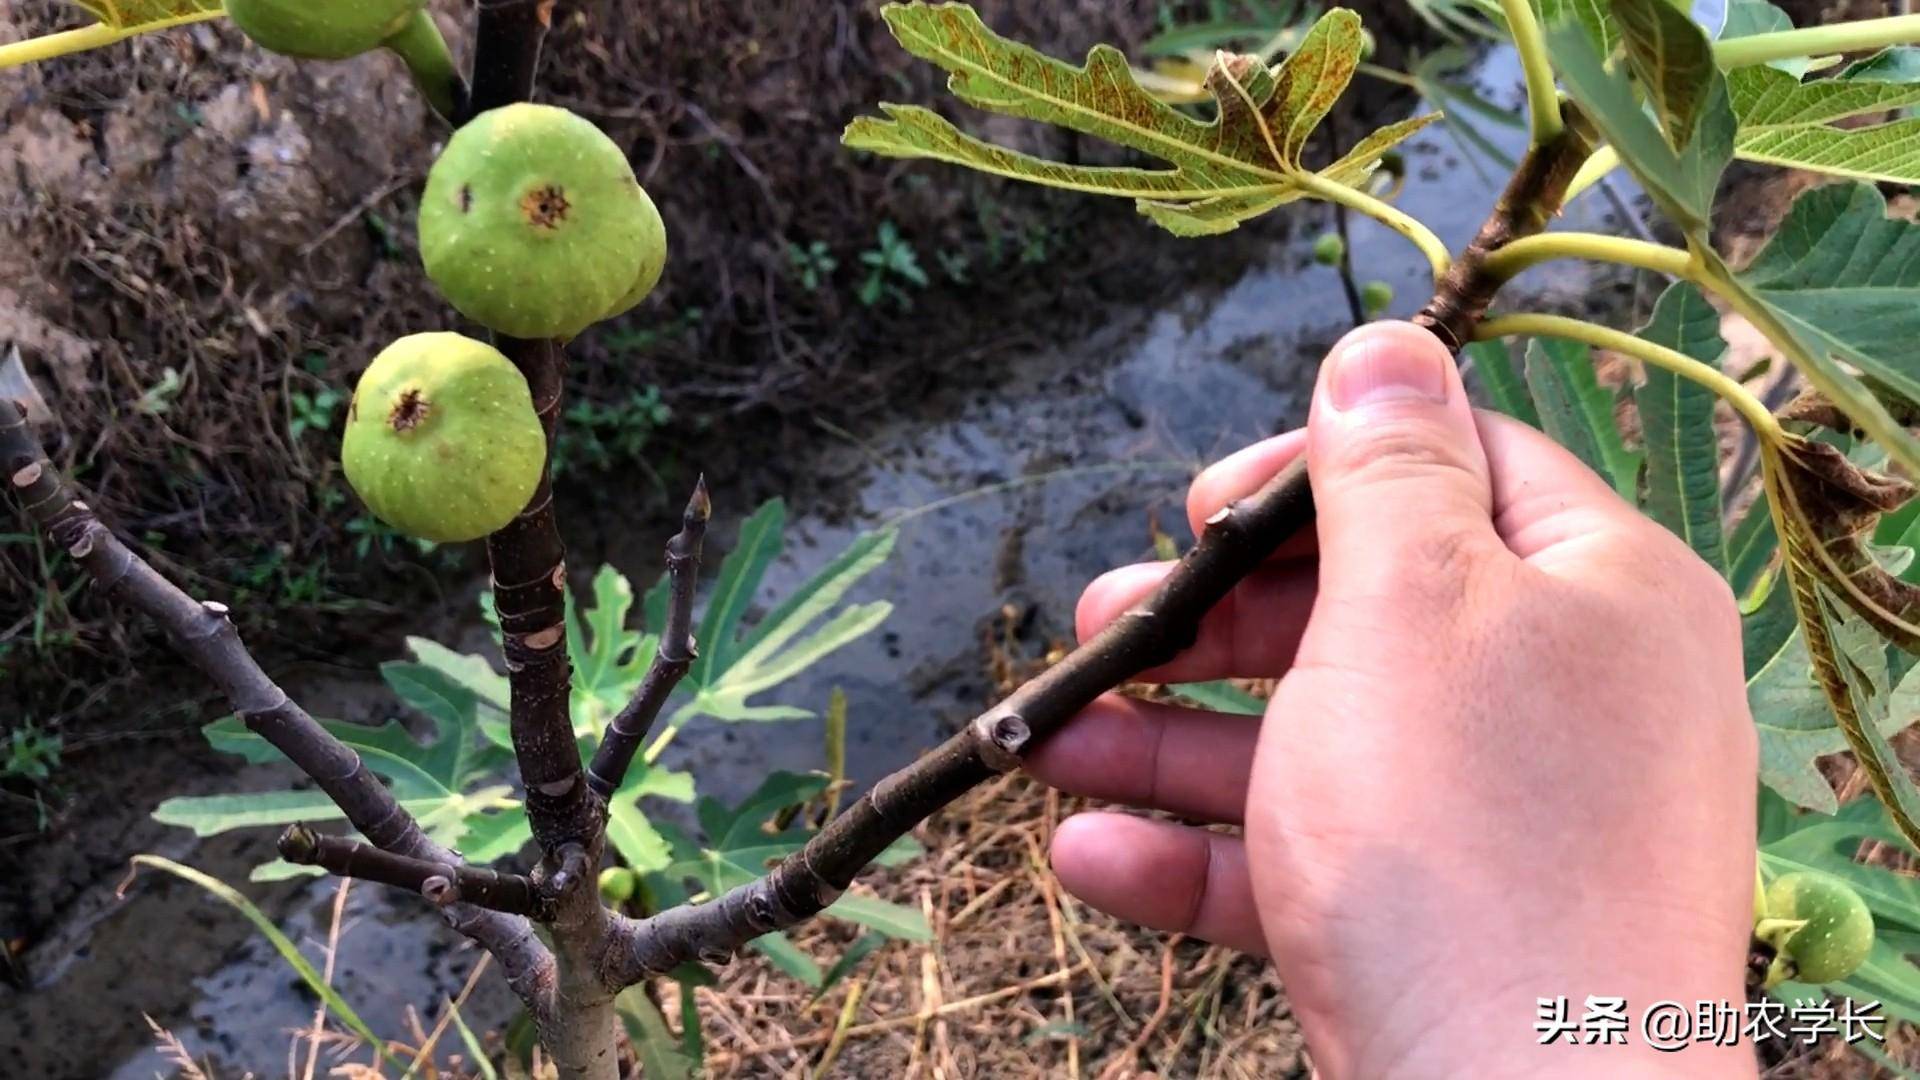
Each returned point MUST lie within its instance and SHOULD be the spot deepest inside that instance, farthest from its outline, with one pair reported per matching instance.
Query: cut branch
(442, 883)
(203, 634)
(1234, 541)
(671, 659)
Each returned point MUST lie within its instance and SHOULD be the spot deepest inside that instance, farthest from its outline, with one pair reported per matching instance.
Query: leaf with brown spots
(1825, 507)
(1244, 161)
(1831, 506)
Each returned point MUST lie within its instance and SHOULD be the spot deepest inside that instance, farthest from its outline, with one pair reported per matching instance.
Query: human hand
(1509, 756)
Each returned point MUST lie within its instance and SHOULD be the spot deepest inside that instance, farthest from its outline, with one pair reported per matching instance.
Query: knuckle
(1433, 572)
(1397, 449)
(1688, 579)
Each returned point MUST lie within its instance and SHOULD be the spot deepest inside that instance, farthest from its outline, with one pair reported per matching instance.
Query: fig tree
(1836, 930)
(533, 225)
(442, 441)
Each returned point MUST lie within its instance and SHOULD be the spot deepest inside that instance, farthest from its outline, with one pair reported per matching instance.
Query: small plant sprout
(812, 263)
(889, 262)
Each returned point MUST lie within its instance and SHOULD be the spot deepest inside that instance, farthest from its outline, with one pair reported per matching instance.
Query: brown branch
(1238, 539)
(1531, 199)
(442, 883)
(527, 557)
(1235, 541)
(506, 53)
(202, 633)
(578, 1026)
(671, 659)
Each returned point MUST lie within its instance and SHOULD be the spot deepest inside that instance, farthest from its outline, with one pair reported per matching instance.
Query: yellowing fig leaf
(135, 15)
(114, 20)
(1832, 506)
(1243, 162)
(1825, 507)
(1784, 121)
(1794, 719)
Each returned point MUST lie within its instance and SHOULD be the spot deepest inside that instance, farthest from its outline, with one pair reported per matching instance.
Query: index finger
(1242, 473)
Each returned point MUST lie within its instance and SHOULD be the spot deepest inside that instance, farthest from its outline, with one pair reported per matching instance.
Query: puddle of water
(1018, 497)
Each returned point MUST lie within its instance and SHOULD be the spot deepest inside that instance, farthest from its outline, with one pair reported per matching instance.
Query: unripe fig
(442, 441)
(1838, 930)
(533, 225)
(321, 29)
(1329, 249)
(617, 884)
(1375, 296)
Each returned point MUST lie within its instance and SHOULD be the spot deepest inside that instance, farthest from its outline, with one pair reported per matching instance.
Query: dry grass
(1019, 979)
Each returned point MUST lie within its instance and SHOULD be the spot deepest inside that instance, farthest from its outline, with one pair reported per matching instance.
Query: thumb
(1400, 479)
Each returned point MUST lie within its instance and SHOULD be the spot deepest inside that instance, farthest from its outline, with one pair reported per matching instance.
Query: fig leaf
(1243, 162)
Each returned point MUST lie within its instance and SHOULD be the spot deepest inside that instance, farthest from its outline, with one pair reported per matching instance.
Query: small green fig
(321, 29)
(1329, 249)
(617, 884)
(442, 441)
(1838, 930)
(533, 225)
(1375, 296)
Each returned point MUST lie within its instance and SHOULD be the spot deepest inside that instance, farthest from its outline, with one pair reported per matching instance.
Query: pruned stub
(409, 411)
(545, 206)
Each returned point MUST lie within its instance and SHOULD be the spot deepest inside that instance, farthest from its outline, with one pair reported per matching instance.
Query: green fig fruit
(321, 29)
(1375, 296)
(533, 225)
(617, 884)
(1329, 249)
(1838, 930)
(442, 441)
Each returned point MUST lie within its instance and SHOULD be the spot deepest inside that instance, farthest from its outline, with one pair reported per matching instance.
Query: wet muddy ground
(1009, 494)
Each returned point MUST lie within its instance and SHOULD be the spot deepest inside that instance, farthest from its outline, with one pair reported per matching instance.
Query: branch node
(27, 476)
(1221, 514)
(299, 844)
(999, 738)
(439, 891)
(215, 607)
(573, 866)
(671, 658)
